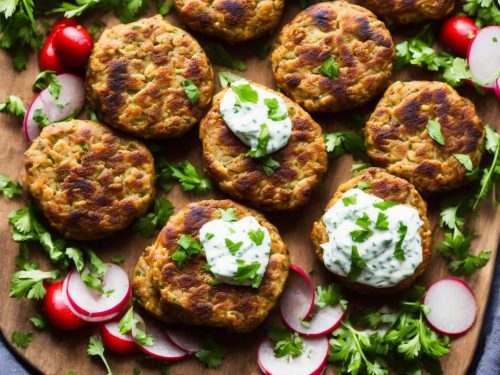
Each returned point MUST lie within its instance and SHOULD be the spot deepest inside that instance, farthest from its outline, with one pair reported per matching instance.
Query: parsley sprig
(187, 246)
(286, 343)
(342, 142)
(13, 105)
(155, 219)
(48, 78)
(128, 323)
(9, 188)
(213, 354)
(96, 348)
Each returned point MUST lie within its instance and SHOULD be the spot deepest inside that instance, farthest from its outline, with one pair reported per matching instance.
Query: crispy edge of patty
(396, 137)
(387, 187)
(303, 161)
(360, 44)
(94, 211)
(190, 295)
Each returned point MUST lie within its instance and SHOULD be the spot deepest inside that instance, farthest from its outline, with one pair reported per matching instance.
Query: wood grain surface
(55, 352)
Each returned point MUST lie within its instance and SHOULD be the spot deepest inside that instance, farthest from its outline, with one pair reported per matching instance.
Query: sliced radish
(70, 101)
(312, 361)
(185, 340)
(497, 87)
(297, 300)
(89, 302)
(324, 321)
(452, 305)
(483, 56)
(162, 347)
(115, 341)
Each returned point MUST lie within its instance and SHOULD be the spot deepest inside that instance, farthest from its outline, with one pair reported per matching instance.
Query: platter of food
(267, 188)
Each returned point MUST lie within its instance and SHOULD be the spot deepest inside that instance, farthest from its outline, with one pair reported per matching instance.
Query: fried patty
(303, 161)
(397, 138)
(136, 75)
(232, 20)
(359, 44)
(89, 181)
(410, 11)
(390, 188)
(191, 295)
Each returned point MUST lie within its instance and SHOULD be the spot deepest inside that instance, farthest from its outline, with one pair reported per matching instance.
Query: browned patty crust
(303, 161)
(390, 188)
(135, 77)
(191, 295)
(232, 20)
(89, 181)
(357, 41)
(410, 11)
(397, 138)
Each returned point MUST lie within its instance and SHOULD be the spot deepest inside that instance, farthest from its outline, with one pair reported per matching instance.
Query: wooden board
(54, 352)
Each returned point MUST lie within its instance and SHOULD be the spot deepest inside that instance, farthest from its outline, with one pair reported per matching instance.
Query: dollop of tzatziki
(237, 252)
(258, 117)
(376, 241)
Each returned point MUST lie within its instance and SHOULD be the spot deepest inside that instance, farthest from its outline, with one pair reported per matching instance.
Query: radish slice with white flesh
(312, 361)
(69, 103)
(483, 57)
(452, 306)
(162, 347)
(185, 340)
(297, 301)
(324, 321)
(90, 302)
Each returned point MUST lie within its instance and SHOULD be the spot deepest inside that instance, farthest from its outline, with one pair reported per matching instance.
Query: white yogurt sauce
(245, 118)
(224, 264)
(383, 268)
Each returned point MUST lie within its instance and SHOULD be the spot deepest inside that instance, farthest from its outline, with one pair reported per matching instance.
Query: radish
(185, 340)
(162, 347)
(497, 87)
(297, 300)
(452, 305)
(312, 361)
(90, 303)
(69, 103)
(115, 341)
(483, 57)
(324, 321)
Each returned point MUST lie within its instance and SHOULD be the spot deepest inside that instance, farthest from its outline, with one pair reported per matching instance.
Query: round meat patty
(137, 76)
(302, 162)
(89, 181)
(232, 20)
(191, 295)
(389, 188)
(410, 11)
(333, 56)
(397, 134)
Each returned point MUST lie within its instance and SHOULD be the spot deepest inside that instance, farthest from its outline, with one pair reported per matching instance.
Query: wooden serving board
(56, 352)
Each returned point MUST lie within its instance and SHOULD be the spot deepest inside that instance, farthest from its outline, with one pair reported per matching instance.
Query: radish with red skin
(497, 87)
(452, 306)
(73, 44)
(48, 59)
(297, 300)
(457, 33)
(483, 57)
(323, 321)
(115, 341)
(162, 347)
(185, 340)
(312, 361)
(58, 313)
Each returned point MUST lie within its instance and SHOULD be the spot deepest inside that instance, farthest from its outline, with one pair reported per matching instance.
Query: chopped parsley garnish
(40, 117)
(269, 165)
(226, 78)
(385, 205)
(96, 348)
(257, 236)
(434, 129)
(246, 93)
(149, 223)
(128, 323)
(329, 296)
(247, 272)
(22, 339)
(360, 235)
(39, 321)
(339, 143)
(356, 168)
(263, 140)
(362, 185)
(398, 250)
(29, 283)
(286, 343)
(382, 222)
(186, 247)
(189, 178)
(364, 221)
(9, 188)
(209, 236)
(350, 200)
(48, 78)
(233, 247)
(13, 105)
(358, 264)
(192, 91)
(219, 56)
(93, 277)
(273, 108)
(228, 215)
(330, 68)
(118, 259)
(465, 160)
(212, 355)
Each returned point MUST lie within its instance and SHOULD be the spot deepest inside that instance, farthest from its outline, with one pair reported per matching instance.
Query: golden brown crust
(90, 182)
(397, 139)
(135, 74)
(387, 187)
(303, 161)
(410, 11)
(358, 42)
(232, 20)
(190, 295)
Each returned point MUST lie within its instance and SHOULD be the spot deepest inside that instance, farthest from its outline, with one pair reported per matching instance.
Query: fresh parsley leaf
(228, 215)
(286, 343)
(227, 78)
(189, 178)
(358, 264)
(385, 205)
(360, 235)
(263, 140)
(339, 143)
(465, 160)
(469, 264)
(96, 348)
(164, 7)
(48, 78)
(41, 118)
(118, 259)
(329, 295)
(94, 274)
(219, 56)
(356, 168)
(233, 247)
(213, 354)
(192, 91)
(350, 200)
(149, 223)
(364, 221)
(22, 339)
(29, 283)
(382, 221)
(363, 185)
(13, 105)
(450, 217)
(246, 93)
(257, 236)
(77, 256)
(9, 188)
(330, 68)
(398, 250)
(186, 247)
(38, 321)
(247, 272)
(484, 12)
(434, 129)
(128, 323)
(273, 109)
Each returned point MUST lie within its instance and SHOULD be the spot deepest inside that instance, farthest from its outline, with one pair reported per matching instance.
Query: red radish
(497, 87)
(312, 361)
(162, 347)
(70, 101)
(115, 341)
(297, 300)
(452, 305)
(61, 23)
(484, 57)
(185, 340)
(58, 313)
(457, 33)
(73, 45)
(91, 303)
(324, 321)
(48, 59)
